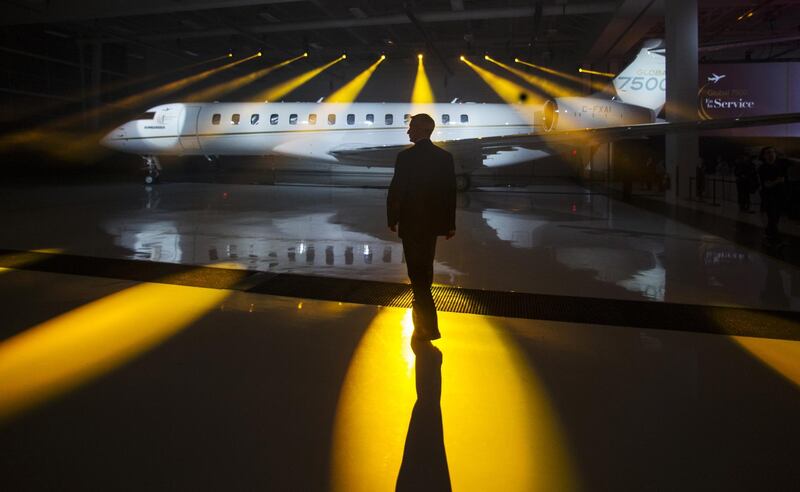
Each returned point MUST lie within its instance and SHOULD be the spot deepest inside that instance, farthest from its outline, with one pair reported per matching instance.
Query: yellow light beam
(65, 352)
(549, 87)
(211, 93)
(508, 91)
(136, 100)
(782, 356)
(11, 261)
(350, 91)
(597, 86)
(422, 93)
(284, 88)
(121, 84)
(594, 72)
(48, 135)
(125, 83)
(480, 403)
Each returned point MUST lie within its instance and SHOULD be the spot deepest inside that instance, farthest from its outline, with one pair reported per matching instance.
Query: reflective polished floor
(567, 242)
(114, 384)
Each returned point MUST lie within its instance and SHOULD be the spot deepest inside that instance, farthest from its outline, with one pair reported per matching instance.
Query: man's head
(420, 127)
(768, 155)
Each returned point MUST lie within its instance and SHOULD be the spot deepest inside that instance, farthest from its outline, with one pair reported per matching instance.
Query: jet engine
(577, 113)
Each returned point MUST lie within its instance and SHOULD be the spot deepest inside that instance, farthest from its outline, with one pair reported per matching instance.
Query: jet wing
(466, 151)
(383, 156)
(566, 139)
(609, 134)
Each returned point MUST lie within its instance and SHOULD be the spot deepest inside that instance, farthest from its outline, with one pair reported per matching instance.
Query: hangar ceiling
(42, 37)
(577, 30)
(204, 27)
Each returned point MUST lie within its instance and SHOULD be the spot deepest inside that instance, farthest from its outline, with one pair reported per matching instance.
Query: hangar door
(188, 129)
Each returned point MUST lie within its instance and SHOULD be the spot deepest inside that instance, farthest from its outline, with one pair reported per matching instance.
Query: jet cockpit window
(406, 118)
(388, 119)
(331, 119)
(273, 119)
(351, 119)
(254, 119)
(312, 119)
(215, 119)
(464, 118)
(146, 116)
(235, 119)
(370, 119)
(292, 119)
(445, 119)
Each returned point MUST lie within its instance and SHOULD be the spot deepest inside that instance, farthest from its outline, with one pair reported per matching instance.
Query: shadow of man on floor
(424, 464)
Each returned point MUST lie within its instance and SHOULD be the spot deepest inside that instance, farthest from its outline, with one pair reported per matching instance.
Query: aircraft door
(188, 130)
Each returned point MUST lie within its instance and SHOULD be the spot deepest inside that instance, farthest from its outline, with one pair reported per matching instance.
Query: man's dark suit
(422, 201)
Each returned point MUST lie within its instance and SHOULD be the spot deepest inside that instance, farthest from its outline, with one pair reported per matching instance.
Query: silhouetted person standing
(746, 181)
(421, 206)
(773, 179)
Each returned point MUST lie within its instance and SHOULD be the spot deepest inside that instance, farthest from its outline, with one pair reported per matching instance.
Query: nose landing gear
(152, 168)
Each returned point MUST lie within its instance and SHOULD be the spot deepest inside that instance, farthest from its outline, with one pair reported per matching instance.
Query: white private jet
(714, 78)
(371, 134)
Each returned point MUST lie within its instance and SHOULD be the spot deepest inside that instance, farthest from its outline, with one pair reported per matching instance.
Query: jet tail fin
(644, 81)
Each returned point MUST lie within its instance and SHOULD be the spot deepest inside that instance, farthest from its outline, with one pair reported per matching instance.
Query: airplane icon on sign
(715, 78)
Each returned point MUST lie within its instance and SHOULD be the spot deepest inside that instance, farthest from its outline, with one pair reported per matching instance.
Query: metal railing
(726, 187)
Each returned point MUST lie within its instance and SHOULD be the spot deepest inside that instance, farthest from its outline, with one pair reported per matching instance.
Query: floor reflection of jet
(716, 78)
(308, 243)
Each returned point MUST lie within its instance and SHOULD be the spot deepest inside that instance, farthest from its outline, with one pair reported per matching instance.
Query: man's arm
(451, 197)
(394, 198)
(767, 183)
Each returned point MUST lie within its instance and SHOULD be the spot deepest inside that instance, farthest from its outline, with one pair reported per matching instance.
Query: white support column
(682, 151)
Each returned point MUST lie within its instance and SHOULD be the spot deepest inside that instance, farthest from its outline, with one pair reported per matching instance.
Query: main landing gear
(152, 168)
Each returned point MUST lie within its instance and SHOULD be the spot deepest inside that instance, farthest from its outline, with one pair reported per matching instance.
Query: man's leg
(773, 214)
(741, 194)
(428, 250)
(419, 253)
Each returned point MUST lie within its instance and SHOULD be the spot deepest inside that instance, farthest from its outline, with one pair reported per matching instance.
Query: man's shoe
(421, 329)
(423, 334)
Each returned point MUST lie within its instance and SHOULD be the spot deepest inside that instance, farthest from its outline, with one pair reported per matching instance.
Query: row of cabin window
(312, 119)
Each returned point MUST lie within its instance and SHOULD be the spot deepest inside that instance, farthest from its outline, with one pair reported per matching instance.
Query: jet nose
(114, 139)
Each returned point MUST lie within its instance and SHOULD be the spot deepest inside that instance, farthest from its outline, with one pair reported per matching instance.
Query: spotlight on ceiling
(419, 57)
(462, 58)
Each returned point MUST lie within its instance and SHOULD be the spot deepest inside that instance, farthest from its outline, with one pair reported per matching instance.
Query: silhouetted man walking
(422, 202)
